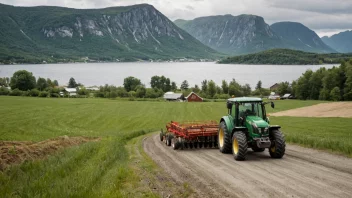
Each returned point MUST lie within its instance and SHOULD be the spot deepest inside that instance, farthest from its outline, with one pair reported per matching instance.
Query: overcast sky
(326, 17)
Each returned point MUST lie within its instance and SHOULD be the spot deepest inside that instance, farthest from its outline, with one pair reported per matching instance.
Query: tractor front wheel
(239, 146)
(224, 138)
(278, 145)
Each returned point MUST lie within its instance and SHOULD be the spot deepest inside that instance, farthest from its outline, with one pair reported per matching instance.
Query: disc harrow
(191, 135)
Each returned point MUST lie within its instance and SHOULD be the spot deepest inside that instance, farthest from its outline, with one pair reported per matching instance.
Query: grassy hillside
(286, 57)
(105, 168)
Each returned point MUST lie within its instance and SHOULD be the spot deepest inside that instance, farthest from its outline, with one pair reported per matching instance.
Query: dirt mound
(15, 152)
(333, 109)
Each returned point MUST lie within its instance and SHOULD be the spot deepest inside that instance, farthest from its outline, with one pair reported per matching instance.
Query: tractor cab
(247, 110)
(247, 120)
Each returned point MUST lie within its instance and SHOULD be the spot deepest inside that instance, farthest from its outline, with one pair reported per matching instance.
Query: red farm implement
(196, 134)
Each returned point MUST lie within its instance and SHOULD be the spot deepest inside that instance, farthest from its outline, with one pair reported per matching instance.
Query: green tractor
(247, 126)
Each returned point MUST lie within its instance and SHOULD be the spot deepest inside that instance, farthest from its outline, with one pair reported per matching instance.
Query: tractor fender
(229, 123)
(273, 127)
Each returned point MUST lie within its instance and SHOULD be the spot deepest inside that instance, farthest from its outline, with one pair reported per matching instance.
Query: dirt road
(301, 173)
(332, 109)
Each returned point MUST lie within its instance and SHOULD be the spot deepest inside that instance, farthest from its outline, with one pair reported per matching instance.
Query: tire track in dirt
(301, 173)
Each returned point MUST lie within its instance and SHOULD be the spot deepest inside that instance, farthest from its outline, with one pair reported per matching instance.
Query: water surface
(194, 72)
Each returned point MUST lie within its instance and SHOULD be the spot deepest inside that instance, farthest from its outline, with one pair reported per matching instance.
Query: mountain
(31, 34)
(232, 34)
(298, 36)
(341, 42)
(245, 34)
(287, 57)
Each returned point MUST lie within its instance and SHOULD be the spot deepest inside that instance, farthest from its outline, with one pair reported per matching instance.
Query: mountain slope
(127, 33)
(244, 34)
(232, 34)
(341, 42)
(298, 36)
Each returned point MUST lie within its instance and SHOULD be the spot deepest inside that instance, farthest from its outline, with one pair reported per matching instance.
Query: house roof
(195, 94)
(245, 99)
(70, 89)
(274, 85)
(173, 96)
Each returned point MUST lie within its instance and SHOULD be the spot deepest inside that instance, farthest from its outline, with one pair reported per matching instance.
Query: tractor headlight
(255, 128)
(266, 129)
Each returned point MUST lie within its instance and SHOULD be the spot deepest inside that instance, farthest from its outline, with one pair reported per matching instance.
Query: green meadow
(106, 168)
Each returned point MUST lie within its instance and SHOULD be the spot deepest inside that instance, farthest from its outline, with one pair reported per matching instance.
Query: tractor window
(250, 109)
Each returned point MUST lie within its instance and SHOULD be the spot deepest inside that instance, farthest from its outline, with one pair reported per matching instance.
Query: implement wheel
(224, 138)
(239, 146)
(278, 145)
(175, 144)
(168, 140)
(161, 136)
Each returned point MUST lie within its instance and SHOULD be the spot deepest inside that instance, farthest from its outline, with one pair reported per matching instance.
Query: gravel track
(301, 172)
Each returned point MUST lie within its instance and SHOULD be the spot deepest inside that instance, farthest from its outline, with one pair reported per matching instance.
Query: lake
(91, 74)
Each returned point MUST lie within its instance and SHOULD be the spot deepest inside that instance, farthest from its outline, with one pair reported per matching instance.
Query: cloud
(320, 15)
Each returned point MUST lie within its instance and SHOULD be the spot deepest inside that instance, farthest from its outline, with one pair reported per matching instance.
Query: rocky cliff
(244, 34)
(232, 34)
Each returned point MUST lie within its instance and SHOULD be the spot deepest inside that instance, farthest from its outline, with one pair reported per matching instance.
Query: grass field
(105, 168)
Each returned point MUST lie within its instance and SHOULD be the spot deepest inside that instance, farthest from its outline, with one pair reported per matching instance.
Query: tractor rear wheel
(239, 145)
(278, 145)
(224, 138)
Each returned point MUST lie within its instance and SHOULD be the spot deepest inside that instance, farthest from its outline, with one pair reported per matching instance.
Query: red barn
(193, 97)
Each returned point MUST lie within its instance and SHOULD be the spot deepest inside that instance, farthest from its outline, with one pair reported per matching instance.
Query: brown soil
(15, 152)
(301, 173)
(333, 109)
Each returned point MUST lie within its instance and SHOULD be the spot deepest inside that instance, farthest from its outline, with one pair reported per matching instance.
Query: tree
(22, 80)
(173, 86)
(284, 88)
(130, 83)
(161, 82)
(211, 89)
(348, 84)
(303, 87)
(140, 91)
(56, 83)
(225, 87)
(71, 83)
(42, 84)
(259, 85)
(235, 89)
(3, 82)
(196, 89)
(246, 90)
(184, 84)
(335, 94)
(204, 86)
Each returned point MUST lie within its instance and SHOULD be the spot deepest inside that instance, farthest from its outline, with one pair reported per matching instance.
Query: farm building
(171, 96)
(193, 97)
(274, 87)
(71, 91)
